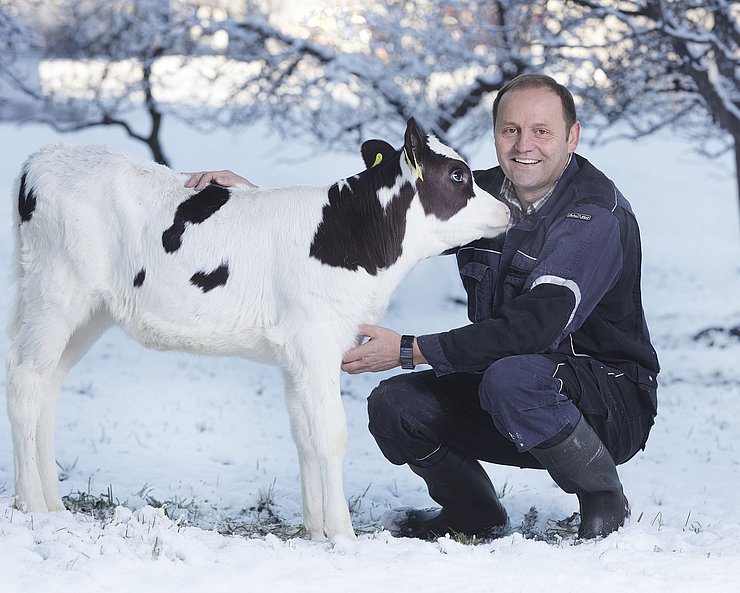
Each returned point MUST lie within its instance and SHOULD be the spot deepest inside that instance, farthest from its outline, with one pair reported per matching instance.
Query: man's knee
(397, 410)
(385, 403)
(508, 384)
(524, 399)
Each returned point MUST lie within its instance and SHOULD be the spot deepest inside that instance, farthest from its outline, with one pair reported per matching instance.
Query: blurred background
(337, 72)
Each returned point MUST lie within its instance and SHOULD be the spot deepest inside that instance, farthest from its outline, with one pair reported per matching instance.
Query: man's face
(532, 142)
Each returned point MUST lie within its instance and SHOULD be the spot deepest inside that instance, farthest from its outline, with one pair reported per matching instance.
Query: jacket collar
(580, 182)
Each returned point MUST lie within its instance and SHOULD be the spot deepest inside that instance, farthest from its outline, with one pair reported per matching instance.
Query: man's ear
(374, 151)
(573, 135)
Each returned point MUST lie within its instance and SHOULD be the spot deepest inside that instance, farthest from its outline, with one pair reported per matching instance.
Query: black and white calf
(283, 276)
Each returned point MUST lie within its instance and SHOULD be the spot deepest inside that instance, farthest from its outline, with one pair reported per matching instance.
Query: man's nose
(525, 141)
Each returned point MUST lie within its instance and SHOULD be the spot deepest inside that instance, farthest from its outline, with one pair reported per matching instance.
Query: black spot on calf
(139, 278)
(26, 201)
(356, 231)
(209, 280)
(194, 210)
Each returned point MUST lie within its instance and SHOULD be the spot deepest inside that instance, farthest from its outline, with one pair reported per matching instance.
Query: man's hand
(382, 351)
(223, 178)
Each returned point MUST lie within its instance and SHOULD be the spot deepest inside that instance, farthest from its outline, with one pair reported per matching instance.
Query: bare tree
(347, 74)
(663, 64)
(119, 45)
(364, 70)
(123, 58)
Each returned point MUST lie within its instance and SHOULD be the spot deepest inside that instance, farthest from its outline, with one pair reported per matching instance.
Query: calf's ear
(415, 140)
(374, 151)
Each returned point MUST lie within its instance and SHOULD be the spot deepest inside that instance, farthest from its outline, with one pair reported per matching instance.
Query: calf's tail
(23, 203)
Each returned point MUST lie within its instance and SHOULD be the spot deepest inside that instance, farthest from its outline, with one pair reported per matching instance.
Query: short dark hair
(534, 80)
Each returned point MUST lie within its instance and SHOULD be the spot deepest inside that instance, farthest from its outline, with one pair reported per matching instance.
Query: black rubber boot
(469, 502)
(581, 465)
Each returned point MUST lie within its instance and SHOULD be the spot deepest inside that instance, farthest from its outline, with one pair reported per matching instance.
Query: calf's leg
(78, 345)
(44, 348)
(25, 393)
(307, 460)
(319, 429)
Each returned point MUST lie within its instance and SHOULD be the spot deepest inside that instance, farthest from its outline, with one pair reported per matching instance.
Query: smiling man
(534, 139)
(556, 369)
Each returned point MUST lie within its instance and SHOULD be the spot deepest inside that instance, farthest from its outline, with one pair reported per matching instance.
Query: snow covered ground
(193, 457)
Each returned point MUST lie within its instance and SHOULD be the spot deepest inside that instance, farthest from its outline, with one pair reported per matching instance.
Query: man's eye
(457, 176)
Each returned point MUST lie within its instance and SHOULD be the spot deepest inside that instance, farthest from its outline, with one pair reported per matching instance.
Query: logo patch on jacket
(578, 216)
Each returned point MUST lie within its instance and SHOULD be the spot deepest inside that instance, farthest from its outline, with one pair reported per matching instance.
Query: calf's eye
(457, 176)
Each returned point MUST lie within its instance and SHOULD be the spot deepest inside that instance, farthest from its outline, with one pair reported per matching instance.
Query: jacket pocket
(517, 274)
(477, 279)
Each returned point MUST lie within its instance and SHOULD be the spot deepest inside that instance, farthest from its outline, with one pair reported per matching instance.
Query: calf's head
(456, 209)
(419, 201)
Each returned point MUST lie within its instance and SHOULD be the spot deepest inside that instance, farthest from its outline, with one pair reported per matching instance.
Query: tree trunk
(153, 141)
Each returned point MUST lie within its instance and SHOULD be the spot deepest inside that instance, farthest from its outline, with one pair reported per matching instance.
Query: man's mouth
(526, 161)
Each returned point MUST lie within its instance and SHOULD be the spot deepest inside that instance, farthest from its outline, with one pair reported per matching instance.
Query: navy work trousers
(518, 403)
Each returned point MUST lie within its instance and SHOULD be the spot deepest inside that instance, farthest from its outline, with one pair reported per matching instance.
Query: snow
(207, 439)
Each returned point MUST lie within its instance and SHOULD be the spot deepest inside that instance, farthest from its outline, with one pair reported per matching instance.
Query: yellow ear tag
(415, 165)
(378, 160)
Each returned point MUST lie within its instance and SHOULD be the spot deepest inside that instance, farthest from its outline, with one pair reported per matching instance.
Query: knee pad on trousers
(398, 413)
(523, 397)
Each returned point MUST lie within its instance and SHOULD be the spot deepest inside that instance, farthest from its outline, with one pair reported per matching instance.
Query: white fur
(443, 149)
(99, 219)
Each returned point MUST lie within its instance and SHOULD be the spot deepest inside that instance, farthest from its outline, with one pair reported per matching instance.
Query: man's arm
(578, 266)
(527, 324)
(562, 291)
(530, 324)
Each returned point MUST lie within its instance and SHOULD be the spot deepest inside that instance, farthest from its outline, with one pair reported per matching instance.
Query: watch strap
(407, 352)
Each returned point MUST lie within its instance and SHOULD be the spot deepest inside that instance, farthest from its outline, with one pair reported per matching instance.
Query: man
(556, 370)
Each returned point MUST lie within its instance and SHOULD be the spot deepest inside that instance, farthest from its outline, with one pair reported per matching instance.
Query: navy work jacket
(564, 280)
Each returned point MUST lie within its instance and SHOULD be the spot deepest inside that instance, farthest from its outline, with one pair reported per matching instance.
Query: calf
(283, 276)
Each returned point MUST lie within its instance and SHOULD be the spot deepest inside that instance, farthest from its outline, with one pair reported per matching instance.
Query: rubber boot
(581, 465)
(469, 502)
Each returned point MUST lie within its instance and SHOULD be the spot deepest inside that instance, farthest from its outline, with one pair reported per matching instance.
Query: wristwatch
(407, 352)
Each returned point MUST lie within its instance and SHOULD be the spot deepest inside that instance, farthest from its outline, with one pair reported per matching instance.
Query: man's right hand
(223, 178)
